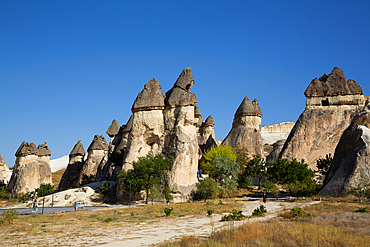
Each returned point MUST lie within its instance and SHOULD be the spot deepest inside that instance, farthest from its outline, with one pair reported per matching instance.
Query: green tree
(323, 166)
(167, 194)
(283, 171)
(256, 167)
(208, 163)
(206, 189)
(147, 172)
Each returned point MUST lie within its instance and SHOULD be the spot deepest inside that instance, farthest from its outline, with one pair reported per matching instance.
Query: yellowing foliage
(214, 152)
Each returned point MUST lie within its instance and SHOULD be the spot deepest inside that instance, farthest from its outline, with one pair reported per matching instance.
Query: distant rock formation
(5, 172)
(275, 132)
(331, 104)
(245, 131)
(31, 169)
(206, 135)
(72, 176)
(277, 146)
(351, 162)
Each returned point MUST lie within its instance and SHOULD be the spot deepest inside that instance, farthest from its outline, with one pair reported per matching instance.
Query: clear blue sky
(68, 68)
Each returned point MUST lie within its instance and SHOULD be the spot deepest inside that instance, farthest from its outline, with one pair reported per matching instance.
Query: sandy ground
(147, 233)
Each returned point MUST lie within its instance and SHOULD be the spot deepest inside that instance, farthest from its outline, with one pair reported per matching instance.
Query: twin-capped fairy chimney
(98, 143)
(150, 98)
(113, 129)
(43, 150)
(333, 85)
(179, 94)
(209, 121)
(26, 149)
(128, 126)
(248, 108)
(78, 150)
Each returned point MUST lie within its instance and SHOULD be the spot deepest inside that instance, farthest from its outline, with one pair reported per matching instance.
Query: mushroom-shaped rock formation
(198, 116)
(245, 131)
(150, 98)
(209, 121)
(98, 143)
(206, 135)
(97, 156)
(32, 168)
(350, 166)
(5, 172)
(179, 95)
(72, 176)
(113, 129)
(331, 104)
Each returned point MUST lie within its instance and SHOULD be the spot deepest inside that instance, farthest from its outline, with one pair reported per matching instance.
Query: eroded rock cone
(331, 104)
(245, 131)
(150, 98)
(5, 172)
(113, 128)
(351, 162)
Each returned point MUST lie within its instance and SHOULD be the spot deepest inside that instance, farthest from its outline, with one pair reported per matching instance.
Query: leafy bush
(323, 166)
(234, 215)
(220, 202)
(108, 220)
(299, 212)
(244, 181)
(167, 194)
(209, 212)
(9, 216)
(168, 211)
(86, 179)
(259, 211)
(48, 190)
(23, 197)
(206, 189)
(361, 210)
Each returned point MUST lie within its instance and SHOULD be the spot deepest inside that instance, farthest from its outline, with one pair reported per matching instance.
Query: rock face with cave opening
(351, 162)
(331, 103)
(31, 169)
(245, 132)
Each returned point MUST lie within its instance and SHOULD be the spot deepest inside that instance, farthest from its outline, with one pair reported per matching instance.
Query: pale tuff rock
(245, 131)
(351, 162)
(72, 176)
(5, 172)
(96, 154)
(275, 132)
(331, 104)
(206, 135)
(31, 169)
(198, 116)
(277, 146)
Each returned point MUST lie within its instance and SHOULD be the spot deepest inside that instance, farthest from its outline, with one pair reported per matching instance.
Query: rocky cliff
(331, 103)
(275, 132)
(245, 131)
(351, 162)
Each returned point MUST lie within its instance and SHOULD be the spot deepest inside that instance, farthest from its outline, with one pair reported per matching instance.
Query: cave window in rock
(325, 102)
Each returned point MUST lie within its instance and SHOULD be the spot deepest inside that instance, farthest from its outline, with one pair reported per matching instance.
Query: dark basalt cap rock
(333, 85)
(128, 126)
(247, 108)
(98, 143)
(78, 149)
(179, 95)
(26, 149)
(209, 121)
(150, 98)
(113, 129)
(44, 150)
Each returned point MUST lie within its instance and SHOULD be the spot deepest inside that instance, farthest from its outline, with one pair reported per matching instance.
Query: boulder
(329, 111)
(245, 131)
(351, 162)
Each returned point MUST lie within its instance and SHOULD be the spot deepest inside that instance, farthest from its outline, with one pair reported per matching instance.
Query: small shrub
(104, 188)
(361, 210)
(220, 202)
(9, 215)
(234, 215)
(209, 212)
(24, 197)
(108, 220)
(259, 211)
(168, 211)
(298, 212)
(132, 214)
(206, 189)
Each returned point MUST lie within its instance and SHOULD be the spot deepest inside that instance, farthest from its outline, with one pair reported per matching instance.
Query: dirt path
(144, 234)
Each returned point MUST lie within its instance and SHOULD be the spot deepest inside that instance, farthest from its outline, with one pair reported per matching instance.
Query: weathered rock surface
(206, 135)
(150, 98)
(245, 131)
(351, 162)
(96, 154)
(72, 176)
(5, 172)
(275, 132)
(321, 125)
(31, 169)
(113, 129)
(277, 146)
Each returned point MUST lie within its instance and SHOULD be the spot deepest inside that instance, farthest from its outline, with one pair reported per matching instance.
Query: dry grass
(331, 223)
(57, 176)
